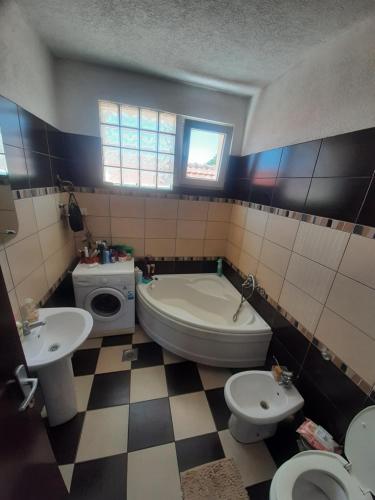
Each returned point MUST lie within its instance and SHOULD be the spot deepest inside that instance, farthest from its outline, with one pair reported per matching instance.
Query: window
(138, 146)
(205, 153)
(3, 162)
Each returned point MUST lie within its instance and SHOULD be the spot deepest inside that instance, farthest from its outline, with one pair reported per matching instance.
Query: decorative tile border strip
(351, 374)
(19, 194)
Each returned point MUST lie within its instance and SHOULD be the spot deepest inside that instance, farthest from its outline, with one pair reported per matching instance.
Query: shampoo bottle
(219, 269)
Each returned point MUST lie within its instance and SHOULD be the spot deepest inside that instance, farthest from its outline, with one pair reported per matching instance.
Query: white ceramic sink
(65, 330)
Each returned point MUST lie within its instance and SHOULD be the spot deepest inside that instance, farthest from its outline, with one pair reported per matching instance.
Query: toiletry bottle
(219, 269)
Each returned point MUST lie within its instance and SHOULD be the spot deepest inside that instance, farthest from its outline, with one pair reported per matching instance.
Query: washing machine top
(360, 447)
(117, 268)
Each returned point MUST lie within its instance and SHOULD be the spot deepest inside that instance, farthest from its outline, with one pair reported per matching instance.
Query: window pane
(149, 119)
(109, 113)
(130, 158)
(130, 177)
(111, 156)
(110, 135)
(149, 140)
(205, 153)
(167, 123)
(129, 138)
(148, 179)
(129, 116)
(112, 174)
(3, 165)
(148, 161)
(166, 143)
(165, 162)
(165, 181)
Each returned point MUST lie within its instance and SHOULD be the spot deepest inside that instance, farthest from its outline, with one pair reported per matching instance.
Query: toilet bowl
(320, 475)
(258, 403)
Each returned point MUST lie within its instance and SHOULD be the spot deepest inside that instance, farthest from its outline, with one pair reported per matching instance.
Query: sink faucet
(286, 378)
(27, 326)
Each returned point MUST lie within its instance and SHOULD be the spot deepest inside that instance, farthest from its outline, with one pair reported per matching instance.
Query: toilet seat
(329, 465)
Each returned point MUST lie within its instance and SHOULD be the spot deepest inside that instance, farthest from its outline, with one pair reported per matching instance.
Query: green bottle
(219, 269)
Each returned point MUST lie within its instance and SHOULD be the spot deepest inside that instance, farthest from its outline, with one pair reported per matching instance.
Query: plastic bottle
(219, 269)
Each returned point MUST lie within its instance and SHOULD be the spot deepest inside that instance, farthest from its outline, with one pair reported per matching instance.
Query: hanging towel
(75, 216)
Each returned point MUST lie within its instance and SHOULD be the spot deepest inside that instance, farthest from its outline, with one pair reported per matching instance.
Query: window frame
(227, 130)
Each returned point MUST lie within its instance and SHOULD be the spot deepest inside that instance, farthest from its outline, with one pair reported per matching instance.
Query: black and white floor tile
(141, 423)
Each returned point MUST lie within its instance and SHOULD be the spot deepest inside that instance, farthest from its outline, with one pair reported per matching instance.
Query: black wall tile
(367, 213)
(280, 352)
(261, 191)
(299, 160)
(56, 142)
(291, 193)
(336, 197)
(292, 339)
(9, 123)
(241, 190)
(350, 155)
(16, 163)
(265, 164)
(34, 133)
(39, 169)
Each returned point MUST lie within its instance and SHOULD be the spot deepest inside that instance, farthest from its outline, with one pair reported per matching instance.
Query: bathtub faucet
(248, 284)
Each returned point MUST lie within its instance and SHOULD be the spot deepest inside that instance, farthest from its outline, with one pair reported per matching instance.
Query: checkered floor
(141, 423)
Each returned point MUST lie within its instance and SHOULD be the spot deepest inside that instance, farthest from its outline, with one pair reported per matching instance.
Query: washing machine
(107, 291)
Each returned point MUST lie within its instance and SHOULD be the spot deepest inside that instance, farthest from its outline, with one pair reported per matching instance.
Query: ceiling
(231, 45)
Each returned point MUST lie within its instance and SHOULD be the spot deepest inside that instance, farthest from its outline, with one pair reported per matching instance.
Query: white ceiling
(231, 45)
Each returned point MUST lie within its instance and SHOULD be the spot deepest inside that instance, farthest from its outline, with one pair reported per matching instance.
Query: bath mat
(220, 480)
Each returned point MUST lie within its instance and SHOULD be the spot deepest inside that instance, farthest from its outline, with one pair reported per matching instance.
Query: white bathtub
(191, 315)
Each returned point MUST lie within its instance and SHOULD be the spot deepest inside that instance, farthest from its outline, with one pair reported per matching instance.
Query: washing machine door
(106, 304)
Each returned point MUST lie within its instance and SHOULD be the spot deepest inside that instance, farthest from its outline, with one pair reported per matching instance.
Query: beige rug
(220, 480)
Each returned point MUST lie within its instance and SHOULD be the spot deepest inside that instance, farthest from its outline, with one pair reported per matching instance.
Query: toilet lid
(360, 447)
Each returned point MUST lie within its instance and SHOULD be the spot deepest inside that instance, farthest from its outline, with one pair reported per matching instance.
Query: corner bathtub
(191, 316)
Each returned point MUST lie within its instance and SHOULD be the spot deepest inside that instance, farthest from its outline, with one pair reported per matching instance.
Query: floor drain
(264, 405)
(53, 347)
(130, 355)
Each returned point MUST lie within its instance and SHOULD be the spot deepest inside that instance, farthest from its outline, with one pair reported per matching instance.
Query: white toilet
(258, 403)
(320, 475)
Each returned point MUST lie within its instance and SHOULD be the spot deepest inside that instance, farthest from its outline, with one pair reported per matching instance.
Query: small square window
(129, 116)
(111, 156)
(112, 174)
(130, 177)
(149, 141)
(148, 179)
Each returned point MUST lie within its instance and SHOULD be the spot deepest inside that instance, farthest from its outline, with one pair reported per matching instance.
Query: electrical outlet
(83, 211)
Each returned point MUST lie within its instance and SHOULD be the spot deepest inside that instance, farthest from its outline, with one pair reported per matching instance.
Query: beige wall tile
(46, 212)
(238, 216)
(126, 206)
(311, 277)
(160, 228)
(192, 210)
(161, 208)
(217, 230)
(26, 220)
(34, 286)
(247, 263)
(6, 271)
(55, 267)
(233, 253)
(301, 306)
(23, 257)
(354, 302)
(94, 203)
(138, 244)
(359, 260)
(256, 221)
(275, 257)
(189, 248)
(158, 247)
(14, 304)
(99, 225)
(219, 211)
(322, 244)
(133, 228)
(351, 345)
(51, 239)
(252, 243)
(235, 235)
(281, 230)
(194, 230)
(214, 248)
(270, 281)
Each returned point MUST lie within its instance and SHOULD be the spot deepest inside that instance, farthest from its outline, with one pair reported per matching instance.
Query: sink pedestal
(57, 383)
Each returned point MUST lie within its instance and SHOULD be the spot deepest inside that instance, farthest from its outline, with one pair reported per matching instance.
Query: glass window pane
(167, 123)
(109, 113)
(3, 165)
(149, 119)
(165, 181)
(110, 135)
(149, 140)
(205, 153)
(148, 179)
(111, 156)
(112, 174)
(130, 158)
(148, 160)
(129, 116)
(1, 143)
(130, 177)
(166, 143)
(165, 162)
(129, 138)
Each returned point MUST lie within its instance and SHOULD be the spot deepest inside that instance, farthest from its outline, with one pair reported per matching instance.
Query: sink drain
(53, 347)
(264, 405)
